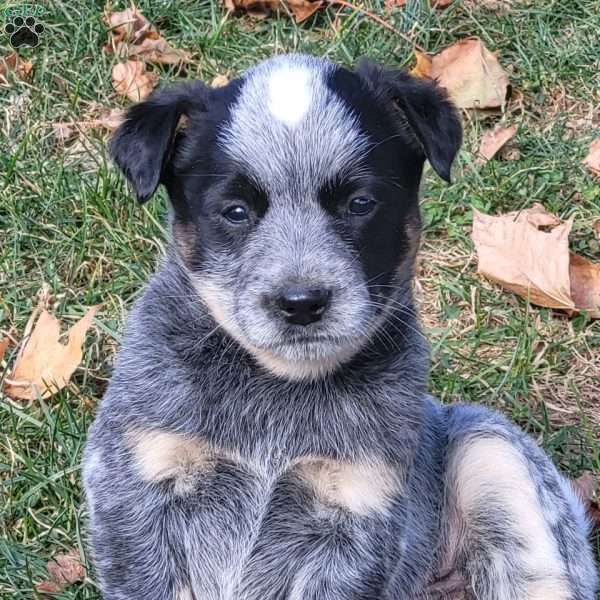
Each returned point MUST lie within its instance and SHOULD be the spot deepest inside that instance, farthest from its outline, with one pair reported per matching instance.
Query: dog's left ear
(430, 114)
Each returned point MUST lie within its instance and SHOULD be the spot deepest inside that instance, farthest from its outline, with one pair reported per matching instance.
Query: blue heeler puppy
(267, 433)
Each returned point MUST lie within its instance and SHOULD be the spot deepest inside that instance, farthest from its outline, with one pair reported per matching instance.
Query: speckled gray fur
(244, 524)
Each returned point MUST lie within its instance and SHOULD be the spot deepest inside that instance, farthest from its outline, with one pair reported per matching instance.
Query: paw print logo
(24, 32)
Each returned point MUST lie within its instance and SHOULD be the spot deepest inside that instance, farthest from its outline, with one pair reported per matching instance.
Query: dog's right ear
(142, 145)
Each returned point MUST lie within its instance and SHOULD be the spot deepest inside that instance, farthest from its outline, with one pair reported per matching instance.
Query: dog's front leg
(171, 518)
(136, 525)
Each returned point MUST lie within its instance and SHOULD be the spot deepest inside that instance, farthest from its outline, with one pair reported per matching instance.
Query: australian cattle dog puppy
(267, 433)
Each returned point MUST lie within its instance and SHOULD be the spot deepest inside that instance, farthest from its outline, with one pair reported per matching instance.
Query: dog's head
(295, 198)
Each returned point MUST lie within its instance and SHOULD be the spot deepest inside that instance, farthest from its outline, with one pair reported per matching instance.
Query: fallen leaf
(97, 116)
(586, 486)
(219, 81)
(3, 347)
(13, 63)
(493, 139)
(592, 160)
(110, 119)
(131, 79)
(301, 9)
(44, 365)
(585, 284)
(64, 569)
(131, 35)
(127, 25)
(471, 74)
(156, 51)
(63, 132)
(527, 252)
(422, 68)
(389, 4)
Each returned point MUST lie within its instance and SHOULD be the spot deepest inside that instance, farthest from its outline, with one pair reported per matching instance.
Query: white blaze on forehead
(275, 97)
(290, 93)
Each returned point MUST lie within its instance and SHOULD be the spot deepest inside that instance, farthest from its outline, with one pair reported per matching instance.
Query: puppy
(267, 432)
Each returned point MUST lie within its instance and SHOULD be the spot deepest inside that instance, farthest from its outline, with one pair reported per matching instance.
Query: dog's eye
(361, 206)
(236, 214)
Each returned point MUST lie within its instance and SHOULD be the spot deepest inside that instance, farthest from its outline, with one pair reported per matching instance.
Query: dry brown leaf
(101, 117)
(493, 139)
(585, 284)
(592, 160)
(156, 51)
(133, 36)
(44, 365)
(422, 68)
(586, 486)
(110, 119)
(3, 347)
(127, 25)
(131, 79)
(389, 4)
(527, 252)
(301, 9)
(64, 569)
(13, 63)
(219, 81)
(64, 132)
(471, 74)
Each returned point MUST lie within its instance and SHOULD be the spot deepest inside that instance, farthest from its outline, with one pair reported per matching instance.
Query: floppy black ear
(430, 114)
(142, 145)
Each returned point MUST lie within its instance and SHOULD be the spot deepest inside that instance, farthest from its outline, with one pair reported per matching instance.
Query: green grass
(67, 221)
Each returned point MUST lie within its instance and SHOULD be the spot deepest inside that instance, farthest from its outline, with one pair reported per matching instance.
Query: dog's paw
(24, 32)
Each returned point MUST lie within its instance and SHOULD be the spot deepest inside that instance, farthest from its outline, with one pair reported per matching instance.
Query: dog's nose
(302, 305)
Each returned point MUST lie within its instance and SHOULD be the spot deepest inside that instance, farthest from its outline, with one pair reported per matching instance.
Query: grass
(67, 221)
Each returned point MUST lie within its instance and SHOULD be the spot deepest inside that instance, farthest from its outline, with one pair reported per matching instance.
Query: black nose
(302, 305)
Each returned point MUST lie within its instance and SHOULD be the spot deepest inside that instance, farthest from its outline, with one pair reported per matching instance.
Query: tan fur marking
(184, 235)
(360, 488)
(162, 455)
(493, 469)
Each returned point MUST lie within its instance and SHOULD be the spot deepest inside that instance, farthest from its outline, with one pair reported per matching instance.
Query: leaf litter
(527, 252)
(13, 63)
(470, 73)
(589, 491)
(494, 140)
(44, 365)
(64, 569)
(132, 80)
(301, 9)
(592, 160)
(131, 35)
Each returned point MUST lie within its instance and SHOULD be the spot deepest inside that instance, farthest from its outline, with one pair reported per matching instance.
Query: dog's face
(294, 191)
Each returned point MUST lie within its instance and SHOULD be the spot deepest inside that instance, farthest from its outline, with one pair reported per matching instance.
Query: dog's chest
(257, 531)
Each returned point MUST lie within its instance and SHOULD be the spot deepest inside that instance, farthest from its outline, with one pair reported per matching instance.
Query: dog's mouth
(305, 340)
(301, 348)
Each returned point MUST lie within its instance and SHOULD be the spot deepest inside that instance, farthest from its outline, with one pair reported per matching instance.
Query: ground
(66, 220)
